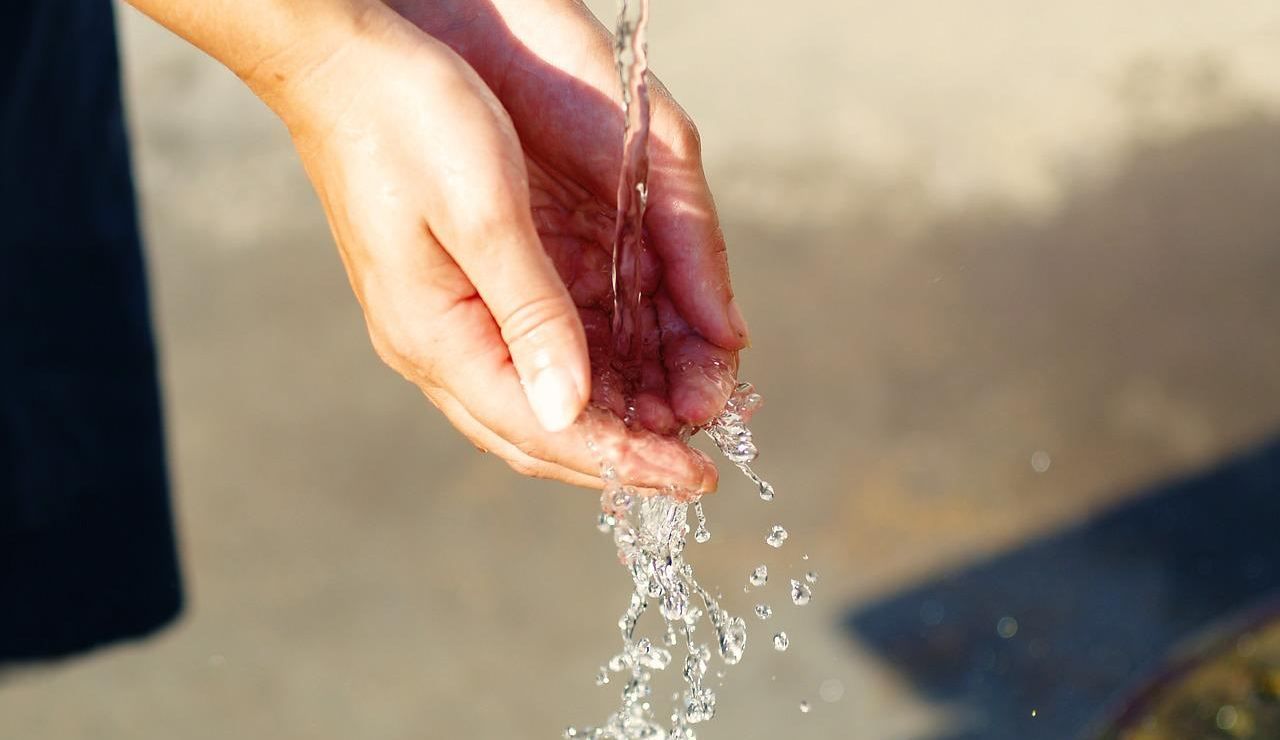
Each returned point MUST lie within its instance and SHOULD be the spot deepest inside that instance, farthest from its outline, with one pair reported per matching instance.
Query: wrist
(301, 70)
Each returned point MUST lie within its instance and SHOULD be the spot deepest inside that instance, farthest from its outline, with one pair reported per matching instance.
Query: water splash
(650, 533)
(731, 436)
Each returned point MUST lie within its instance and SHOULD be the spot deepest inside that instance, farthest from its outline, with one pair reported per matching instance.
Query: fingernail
(738, 323)
(554, 398)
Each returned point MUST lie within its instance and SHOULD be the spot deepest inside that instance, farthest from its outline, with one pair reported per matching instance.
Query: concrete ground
(1010, 267)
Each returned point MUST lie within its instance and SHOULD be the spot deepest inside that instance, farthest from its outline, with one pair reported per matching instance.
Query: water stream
(651, 532)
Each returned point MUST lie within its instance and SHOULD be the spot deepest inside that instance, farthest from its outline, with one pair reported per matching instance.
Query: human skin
(466, 153)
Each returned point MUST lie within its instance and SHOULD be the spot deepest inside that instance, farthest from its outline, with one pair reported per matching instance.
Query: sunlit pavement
(1010, 269)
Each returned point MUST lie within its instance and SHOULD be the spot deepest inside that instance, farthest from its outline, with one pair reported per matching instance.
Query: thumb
(483, 219)
(504, 259)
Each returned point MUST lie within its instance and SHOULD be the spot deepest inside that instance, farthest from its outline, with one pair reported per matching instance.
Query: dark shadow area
(1097, 606)
(1133, 332)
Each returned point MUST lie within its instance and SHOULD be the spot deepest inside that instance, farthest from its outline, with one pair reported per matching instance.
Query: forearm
(270, 44)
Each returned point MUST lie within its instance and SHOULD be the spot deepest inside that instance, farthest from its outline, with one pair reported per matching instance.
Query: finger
(489, 441)
(684, 230)
(483, 379)
(619, 446)
(700, 375)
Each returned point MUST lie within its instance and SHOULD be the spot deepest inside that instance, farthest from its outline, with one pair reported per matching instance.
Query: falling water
(633, 177)
(651, 532)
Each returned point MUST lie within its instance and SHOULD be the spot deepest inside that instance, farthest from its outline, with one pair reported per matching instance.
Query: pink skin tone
(466, 154)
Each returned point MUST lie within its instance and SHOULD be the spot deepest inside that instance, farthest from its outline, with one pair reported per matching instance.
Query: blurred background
(1011, 269)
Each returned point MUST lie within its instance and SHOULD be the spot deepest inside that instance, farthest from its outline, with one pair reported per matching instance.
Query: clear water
(651, 532)
(801, 594)
(633, 64)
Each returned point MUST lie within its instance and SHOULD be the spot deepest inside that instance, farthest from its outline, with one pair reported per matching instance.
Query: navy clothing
(87, 551)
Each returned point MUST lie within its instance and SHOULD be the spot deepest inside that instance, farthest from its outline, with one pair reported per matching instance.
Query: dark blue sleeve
(87, 552)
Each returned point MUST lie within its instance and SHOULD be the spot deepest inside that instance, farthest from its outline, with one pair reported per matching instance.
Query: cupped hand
(469, 177)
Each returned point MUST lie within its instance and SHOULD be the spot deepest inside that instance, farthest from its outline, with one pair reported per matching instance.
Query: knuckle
(688, 140)
(407, 354)
(528, 321)
(530, 447)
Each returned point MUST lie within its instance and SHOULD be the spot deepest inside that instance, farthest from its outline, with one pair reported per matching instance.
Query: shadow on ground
(1163, 275)
(1035, 642)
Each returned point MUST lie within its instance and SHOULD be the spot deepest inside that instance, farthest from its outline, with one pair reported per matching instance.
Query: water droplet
(700, 706)
(702, 534)
(800, 593)
(1040, 461)
(602, 677)
(804, 706)
(764, 611)
(766, 491)
(657, 658)
(777, 536)
(695, 666)
(733, 640)
(811, 576)
(831, 690)
(804, 557)
(759, 576)
(781, 642)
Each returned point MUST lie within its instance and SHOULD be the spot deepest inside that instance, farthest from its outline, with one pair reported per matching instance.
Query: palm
(571, 133)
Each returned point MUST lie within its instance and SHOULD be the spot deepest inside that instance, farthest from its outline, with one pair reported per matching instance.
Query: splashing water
(650, 532)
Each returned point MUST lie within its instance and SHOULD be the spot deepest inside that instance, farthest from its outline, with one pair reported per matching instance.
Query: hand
(460, 232)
